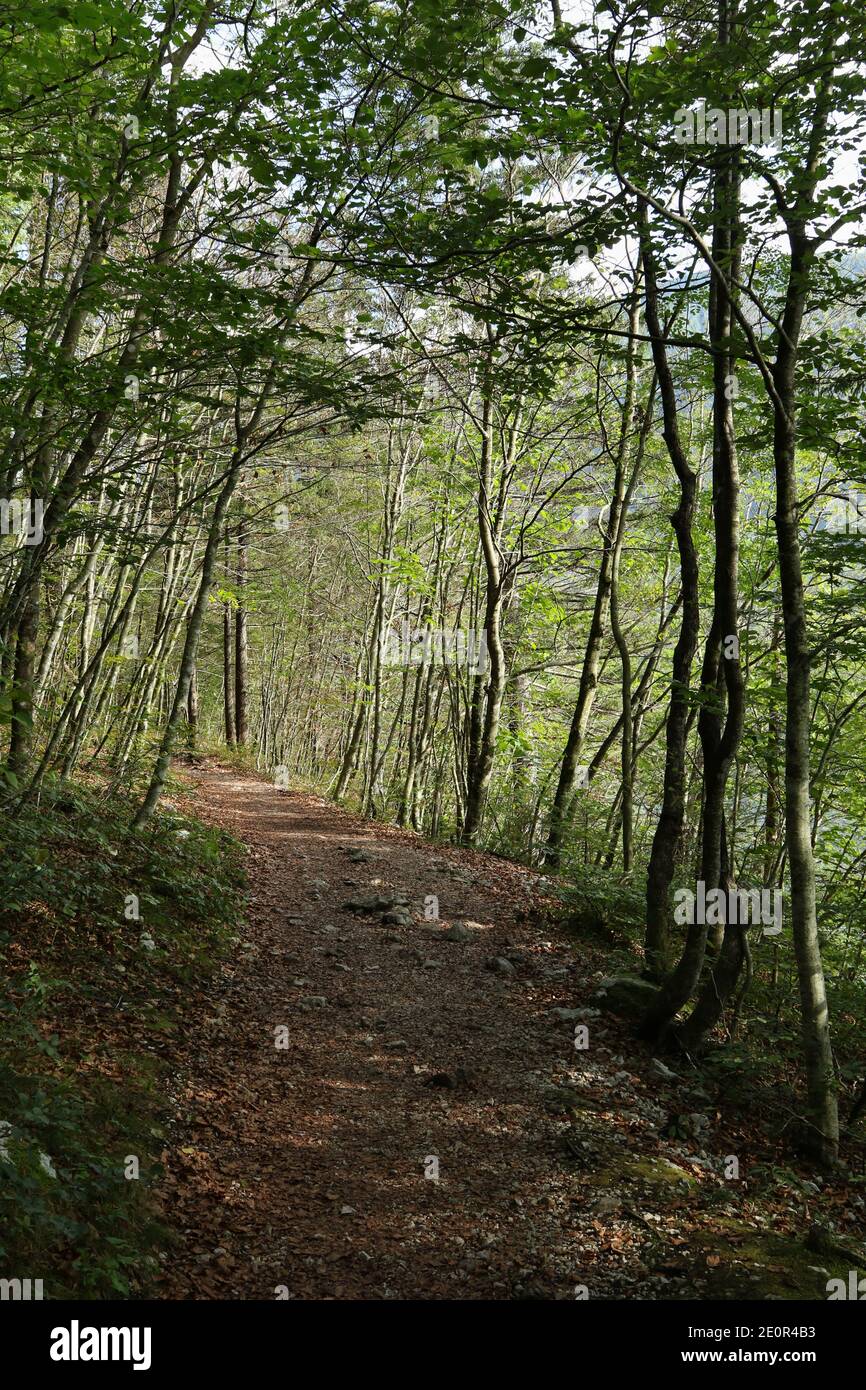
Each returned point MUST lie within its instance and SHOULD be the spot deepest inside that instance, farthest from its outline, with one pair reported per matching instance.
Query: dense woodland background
(324, 322)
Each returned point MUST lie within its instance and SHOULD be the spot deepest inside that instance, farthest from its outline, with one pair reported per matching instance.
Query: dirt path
(310, 1167)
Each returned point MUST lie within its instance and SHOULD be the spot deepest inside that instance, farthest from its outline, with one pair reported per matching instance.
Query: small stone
(661, 1070)
(499, 965)
(606, 1204)
(314, 1001)
(457, 932)
(377, 902)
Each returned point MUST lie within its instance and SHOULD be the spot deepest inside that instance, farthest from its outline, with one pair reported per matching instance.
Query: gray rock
(377, 902)
(625, 994)
(699, 1125)
(458, 932)
(397, 917)
(499, 965)
(664, 1072)
(313, 1001)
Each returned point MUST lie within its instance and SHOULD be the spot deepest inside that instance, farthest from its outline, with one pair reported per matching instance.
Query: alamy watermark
(77, 1343)
(22, 518)
(21, 1290)
(739, 906)
(447, 646)
(846, 516)
(736, 126)
(855, 1289)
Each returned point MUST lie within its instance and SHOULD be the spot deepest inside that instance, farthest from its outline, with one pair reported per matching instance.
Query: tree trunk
(721, 677)
(192, 712)
(241, 642)
(489, 694)
(670, 823)
(814, 1015)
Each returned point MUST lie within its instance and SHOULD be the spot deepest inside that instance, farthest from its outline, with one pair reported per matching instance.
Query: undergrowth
(102, 935)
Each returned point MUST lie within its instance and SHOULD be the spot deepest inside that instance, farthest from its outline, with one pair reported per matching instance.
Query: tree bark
(241, 637)
(670, 823)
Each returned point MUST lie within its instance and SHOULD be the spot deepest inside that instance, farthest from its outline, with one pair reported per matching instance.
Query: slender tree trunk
(721, 679)
(192, 712)
(814, 1013)
(489, 691)
(241, 639)
(228, 678)
(670, 823)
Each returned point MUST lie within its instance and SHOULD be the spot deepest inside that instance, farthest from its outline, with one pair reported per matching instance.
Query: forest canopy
(459, 409)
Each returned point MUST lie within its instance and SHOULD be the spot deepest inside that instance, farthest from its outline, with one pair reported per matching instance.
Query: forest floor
(369, 1109)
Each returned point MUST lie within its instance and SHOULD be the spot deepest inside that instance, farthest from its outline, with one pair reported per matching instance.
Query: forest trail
(302, 1168)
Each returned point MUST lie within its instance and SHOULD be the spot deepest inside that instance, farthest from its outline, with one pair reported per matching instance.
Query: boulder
(627, 995)
(397, 917)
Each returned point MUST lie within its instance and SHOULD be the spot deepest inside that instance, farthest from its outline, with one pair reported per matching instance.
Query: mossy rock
(657, 1171)
(608, 1163)
(626, 995)
(756, 1265)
